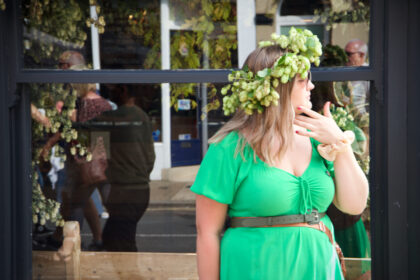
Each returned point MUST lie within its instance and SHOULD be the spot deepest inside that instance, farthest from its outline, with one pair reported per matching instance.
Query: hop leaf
(252, 94)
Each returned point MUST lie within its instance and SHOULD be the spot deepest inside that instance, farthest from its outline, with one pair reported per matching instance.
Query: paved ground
(166, 193)
(169, 223)
(161, 230)
(167, 226)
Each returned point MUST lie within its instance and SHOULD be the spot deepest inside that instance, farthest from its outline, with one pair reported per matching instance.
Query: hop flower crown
(251, 91)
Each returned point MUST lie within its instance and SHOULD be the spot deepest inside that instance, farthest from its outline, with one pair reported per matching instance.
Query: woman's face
(301, 92)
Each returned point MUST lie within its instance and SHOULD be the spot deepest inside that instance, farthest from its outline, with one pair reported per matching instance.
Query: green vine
(206, 40)
(333, 55)
(347, 118)
(99, 23)
(53, 27)
(359, 12)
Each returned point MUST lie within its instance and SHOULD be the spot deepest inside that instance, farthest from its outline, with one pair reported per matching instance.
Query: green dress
(252, 188)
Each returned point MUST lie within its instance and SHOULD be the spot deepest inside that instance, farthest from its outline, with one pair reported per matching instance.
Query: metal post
(247, 37)
(95, 42)
(166, 64)
(204, 121)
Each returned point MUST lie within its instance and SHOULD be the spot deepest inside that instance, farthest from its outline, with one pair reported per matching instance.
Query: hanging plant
(359, 12)
(51, 28)
(206, 40)
(333, 55)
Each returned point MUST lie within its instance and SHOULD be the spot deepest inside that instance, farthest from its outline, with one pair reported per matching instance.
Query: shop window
(126, 130)
(341, 26)
(174, 34)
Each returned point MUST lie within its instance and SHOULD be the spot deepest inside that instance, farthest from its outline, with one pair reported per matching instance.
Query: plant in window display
(51, 28)
(344, 11)
(347, 115)
(45, 98)
(206, 38)
(100, 21)
(333, 55)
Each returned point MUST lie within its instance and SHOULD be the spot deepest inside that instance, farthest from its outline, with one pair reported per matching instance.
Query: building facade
(172, 57)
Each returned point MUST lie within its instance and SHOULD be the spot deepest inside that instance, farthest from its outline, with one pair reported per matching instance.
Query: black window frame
(389, 131)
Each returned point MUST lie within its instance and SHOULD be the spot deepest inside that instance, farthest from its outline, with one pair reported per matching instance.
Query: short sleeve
(217, 176)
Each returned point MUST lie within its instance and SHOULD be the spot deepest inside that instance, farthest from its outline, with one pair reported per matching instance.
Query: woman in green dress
(267, 164)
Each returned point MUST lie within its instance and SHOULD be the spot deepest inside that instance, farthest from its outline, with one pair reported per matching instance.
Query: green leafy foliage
(206, 39)
(359, 12)
(51, 28)
(252, 93)
(333, 55)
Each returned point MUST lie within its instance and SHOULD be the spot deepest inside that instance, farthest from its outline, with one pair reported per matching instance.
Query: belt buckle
(270, 221)
(313, 217)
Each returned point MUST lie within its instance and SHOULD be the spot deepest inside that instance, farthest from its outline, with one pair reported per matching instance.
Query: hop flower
(251, 93)
(89, 157)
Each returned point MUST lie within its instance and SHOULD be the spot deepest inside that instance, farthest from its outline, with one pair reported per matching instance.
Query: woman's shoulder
(233, 144)
(229, 141)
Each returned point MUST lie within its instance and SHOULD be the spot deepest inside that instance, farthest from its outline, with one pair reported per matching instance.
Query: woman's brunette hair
(274, 125)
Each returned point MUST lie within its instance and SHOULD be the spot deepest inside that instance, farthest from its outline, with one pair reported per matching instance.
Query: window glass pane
(301, 7)
(171, 34)
(123, 129)
(351, 112)
(341, 26)
(179, 34)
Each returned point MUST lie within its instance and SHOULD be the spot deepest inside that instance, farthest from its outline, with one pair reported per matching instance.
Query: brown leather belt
(319, 225)
(314, 217)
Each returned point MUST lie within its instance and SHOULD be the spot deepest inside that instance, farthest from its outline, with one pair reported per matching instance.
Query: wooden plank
(45, 267)
(72, 246)
(115, 265)
(358, 268)
(124, 265)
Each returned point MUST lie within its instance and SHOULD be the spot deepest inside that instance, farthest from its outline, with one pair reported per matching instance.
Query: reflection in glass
(95, 149)
(120, 127)
(131, 34)
(351, 112)
(49, 29)
(341, 26)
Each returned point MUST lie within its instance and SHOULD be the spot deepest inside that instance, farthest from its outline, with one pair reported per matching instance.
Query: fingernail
(299, 108)
(297, 131)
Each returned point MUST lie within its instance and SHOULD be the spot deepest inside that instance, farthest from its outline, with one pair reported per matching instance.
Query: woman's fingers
(309, 112)
(303, 124)
(305, 133)
(327, 112)
(305, 119)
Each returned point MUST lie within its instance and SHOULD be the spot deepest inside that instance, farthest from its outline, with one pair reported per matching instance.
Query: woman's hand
(351, 185)
(322, 127)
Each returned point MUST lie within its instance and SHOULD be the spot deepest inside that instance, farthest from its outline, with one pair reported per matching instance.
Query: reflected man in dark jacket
(130, 163)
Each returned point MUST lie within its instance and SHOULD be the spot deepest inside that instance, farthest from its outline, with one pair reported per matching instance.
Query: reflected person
(356, 51)
(131, 161)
